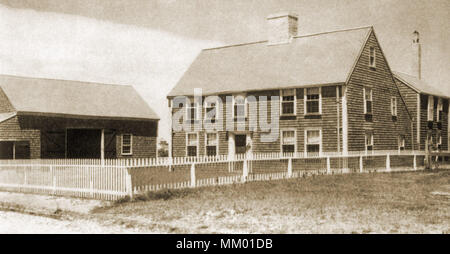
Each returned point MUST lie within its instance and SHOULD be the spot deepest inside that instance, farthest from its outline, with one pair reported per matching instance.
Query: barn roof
(37, 96)
(418, 85)
(323, 58)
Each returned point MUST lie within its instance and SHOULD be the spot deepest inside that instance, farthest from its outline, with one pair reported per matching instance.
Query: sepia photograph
(249, 118)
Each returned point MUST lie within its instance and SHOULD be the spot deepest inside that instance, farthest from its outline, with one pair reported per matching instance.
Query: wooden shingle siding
(327, 122)
(5, 105)
(385, 130)
(410, 98)
(10, 130)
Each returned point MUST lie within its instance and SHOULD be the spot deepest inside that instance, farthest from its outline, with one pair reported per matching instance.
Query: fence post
(193, 180)
(388, 162)
(415, 162)
(244, 171)
(129, 183)
(361, 165)
(53, 180)
(328, 165)
(289, 173)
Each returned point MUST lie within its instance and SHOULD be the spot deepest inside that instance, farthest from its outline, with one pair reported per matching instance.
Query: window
(240, 111)
(430, 108)
(192, 112)
(401, 142)
(394, 106)
(288, 102)
(367, 100)
(439, 110)
(127, 140)
(211, 144)
(369, 141)
(439, 140)
(14, 150)
(211, 110)
(312, 100)
(192, 144)
(313, 141)
(372, 57)
(288, 141)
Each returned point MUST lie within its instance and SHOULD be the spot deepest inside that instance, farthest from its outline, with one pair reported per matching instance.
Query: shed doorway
(84, 143)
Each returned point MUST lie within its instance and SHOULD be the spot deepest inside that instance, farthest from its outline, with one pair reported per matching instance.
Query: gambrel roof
(325, 58)
(418, 85)
(50, 97)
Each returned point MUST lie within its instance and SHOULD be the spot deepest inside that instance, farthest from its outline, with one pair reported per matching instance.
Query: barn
(51, 119)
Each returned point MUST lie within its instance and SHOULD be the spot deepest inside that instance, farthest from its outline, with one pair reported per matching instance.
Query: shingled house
(336, 93)
(428, 105)
(46, 118)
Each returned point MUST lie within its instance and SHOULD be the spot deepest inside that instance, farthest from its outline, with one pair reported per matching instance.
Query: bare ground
(413, 202)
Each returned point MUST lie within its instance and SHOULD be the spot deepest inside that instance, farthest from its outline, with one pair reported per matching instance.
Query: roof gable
(324, 58)
(418, 85)
(73, 98)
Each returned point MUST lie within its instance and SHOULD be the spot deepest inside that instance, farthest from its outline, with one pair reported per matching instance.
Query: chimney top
(415, 36)
(282, 27)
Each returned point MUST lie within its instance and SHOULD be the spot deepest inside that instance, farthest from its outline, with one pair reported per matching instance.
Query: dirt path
(19, 223)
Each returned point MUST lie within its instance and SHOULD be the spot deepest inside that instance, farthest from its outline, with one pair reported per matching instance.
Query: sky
(150, 43)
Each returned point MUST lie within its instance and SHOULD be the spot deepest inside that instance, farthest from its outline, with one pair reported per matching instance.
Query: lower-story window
(192, 144)
(439, 140)
(288, 141)
(211, 144)
(127, 140)
(369, 141)
(313, 141)
(401, 142)
(14, 150)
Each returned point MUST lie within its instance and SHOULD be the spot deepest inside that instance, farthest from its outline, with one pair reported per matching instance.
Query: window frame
(122, 144)
(401, 142)
(206, 143)
(282, 139)
(245, 106)
(305, 99)
(372, 50)
(394, 103)
(282, 101)
(365, 100)
(306, 139)
(187, 144)
(366, 145)
(188, 109)
(440, 108)
(205, 106)
(430, 108)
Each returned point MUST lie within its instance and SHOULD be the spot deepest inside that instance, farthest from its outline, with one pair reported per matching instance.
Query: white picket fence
(113, 179)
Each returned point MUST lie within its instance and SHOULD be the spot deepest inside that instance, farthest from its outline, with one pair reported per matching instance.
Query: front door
(240, 144)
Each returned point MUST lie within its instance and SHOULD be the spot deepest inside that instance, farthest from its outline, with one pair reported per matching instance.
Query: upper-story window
(211, 110)
(313, 100)
(372, 57)
(367, 100)
(394, 106)
(127, 140)
(440, 108)
(369, 141)
(192, 112)
(288, 99)
(240, 109)
(430, 108)
(288, 141)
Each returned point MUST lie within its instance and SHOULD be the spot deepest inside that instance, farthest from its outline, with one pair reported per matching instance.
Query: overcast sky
(150, 43)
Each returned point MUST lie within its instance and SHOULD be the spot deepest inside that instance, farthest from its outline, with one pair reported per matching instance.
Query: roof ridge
(295, 37)
(66, 80)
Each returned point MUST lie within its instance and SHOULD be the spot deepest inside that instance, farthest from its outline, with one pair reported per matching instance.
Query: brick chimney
(416, 61)
(281, 27)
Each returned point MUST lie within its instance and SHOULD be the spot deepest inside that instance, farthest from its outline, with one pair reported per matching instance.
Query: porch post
(102, 146)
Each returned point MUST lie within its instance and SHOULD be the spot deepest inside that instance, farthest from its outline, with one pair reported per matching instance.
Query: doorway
(84, 143)
(240, 143)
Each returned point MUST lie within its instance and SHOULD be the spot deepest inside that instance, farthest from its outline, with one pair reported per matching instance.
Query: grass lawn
(412, 202)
